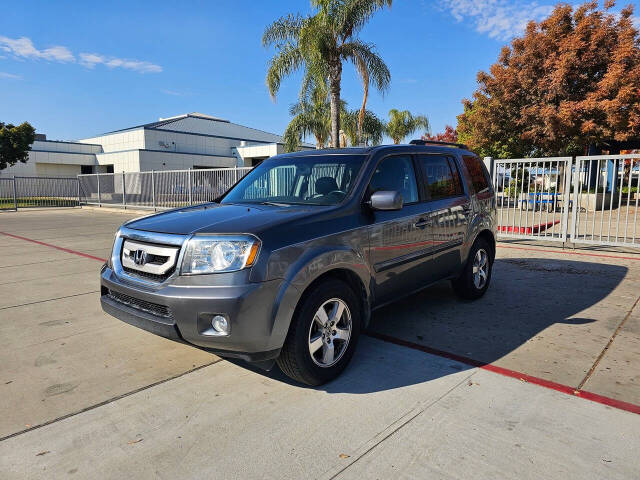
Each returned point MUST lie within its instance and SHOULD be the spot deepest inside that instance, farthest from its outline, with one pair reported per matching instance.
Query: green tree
(368, 131)
(321, 43)
(404, 123)
(15, 143)
(311, 116)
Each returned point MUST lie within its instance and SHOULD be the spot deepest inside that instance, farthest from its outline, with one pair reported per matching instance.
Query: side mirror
(386, 200)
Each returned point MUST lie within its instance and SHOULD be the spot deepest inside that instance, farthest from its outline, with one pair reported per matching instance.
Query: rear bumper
(186, 312)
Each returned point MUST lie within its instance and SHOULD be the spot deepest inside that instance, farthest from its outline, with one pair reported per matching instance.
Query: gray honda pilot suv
(288, 265)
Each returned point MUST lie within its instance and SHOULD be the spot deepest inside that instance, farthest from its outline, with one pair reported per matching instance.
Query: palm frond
(354, 14)
(287, 61)
(364, 56)
(285, 29)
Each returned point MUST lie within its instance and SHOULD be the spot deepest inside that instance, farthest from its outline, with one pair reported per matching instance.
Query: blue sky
(77, 69)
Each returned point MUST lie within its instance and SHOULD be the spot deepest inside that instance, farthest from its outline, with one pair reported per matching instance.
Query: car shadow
(527, 295)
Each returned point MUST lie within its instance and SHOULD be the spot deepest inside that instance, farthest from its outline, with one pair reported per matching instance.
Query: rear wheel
(474, 280)
(323, 334)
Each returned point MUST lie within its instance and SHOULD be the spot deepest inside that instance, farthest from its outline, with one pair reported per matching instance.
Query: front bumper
(183, 313)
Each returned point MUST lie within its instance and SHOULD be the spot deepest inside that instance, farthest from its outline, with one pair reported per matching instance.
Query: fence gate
(8, 194)
(26, 192)
(533, 197)
(592, 200)
(605, 200)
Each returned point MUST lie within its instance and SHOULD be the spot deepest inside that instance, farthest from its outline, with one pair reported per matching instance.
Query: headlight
(219, 253)
(112, 251)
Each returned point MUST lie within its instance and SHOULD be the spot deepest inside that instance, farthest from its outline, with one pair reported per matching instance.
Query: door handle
(422, 223)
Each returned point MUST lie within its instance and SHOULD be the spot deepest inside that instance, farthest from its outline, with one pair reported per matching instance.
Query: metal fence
(26, 192)
(606, 194)
(532, 197)
(590, 200)
(157, 189)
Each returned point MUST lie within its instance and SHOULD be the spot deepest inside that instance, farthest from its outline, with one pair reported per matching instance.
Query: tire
(466, 285)
(307, 329)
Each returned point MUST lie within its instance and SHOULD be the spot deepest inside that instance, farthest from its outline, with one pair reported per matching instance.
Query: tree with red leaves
(449, 135)
(571, 81)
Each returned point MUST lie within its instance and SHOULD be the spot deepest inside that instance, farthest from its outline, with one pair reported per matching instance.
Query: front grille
(156, 261)
(150, 276)
(143, 305)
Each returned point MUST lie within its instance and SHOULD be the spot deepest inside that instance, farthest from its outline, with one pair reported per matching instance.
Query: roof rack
(435, 142)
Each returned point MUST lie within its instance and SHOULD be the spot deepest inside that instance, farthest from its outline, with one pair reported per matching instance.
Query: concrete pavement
(91, 397)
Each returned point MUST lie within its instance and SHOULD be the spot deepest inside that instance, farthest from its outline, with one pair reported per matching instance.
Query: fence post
(189, 183)
(566, 193)
(124, 193)
(489, 163)
(573, 200)
(153, 189)
(78, 182)
(15, 194)
(99, 196)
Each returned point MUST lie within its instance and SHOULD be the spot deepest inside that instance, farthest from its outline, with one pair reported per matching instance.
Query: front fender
(299, 266)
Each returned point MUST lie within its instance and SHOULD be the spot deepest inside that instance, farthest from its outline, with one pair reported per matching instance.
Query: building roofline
(67, 141)
(201, 116)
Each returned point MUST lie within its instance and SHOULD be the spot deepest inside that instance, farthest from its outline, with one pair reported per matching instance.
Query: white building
(192, 140)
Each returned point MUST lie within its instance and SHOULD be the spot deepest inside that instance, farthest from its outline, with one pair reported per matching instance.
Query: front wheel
(474, 280)
(323, 334)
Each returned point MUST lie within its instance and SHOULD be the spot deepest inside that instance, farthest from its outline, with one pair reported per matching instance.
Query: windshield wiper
(275, 204)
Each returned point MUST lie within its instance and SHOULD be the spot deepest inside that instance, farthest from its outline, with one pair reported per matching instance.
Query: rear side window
(396, 173)
(477, 172)
(441, 176)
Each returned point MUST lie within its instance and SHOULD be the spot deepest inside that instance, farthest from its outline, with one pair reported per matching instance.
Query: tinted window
(396, 173)
(309, 180)
(477, 173)
(441, 175)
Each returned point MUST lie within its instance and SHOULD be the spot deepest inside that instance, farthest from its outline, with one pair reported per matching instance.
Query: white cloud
(10, 76)
(90, 60)
(499, 19)
(23, 48)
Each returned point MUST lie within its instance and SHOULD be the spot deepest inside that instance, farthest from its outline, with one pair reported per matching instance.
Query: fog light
(220, 325)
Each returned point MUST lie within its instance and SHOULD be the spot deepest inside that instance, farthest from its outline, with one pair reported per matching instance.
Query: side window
(396, 173)
(477, 173)
(441, 175)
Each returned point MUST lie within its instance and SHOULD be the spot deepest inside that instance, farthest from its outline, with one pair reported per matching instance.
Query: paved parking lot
(438, 388)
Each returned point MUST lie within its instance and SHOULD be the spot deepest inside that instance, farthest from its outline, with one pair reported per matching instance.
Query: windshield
(303, 180)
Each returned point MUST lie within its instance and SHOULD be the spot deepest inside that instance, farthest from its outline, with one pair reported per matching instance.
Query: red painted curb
(62, 249)
(594, 397)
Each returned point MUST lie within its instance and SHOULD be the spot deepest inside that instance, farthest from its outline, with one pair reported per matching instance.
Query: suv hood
(221, 218)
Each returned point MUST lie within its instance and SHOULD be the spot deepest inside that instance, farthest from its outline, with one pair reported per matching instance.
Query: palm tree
(320, 43)
(308, 119)
(368, 131)
(311, 116)
(403, 123)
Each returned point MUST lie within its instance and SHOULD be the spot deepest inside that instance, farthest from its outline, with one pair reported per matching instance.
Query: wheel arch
(352, 279)
(489, 237)
(313, 265)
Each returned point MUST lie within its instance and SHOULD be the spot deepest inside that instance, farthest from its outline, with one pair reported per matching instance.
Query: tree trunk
(335, 77)
(363, 109)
